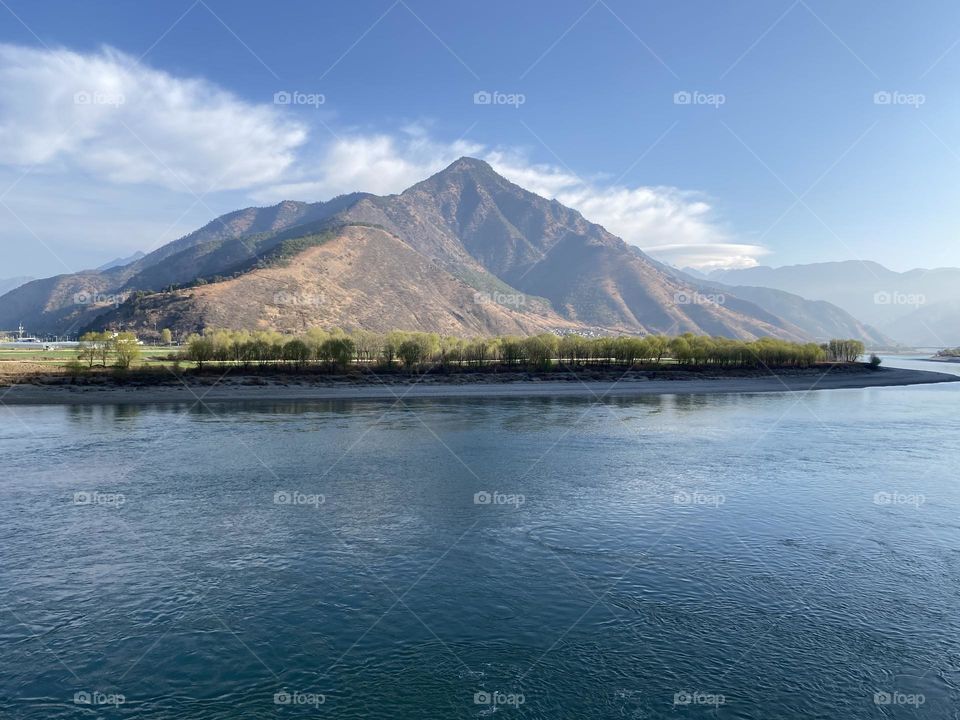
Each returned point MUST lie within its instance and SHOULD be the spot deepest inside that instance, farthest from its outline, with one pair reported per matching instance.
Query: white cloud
(380, 164)
(112, 118)
(710, 255)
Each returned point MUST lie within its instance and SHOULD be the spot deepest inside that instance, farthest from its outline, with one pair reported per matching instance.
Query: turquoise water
(725, 556)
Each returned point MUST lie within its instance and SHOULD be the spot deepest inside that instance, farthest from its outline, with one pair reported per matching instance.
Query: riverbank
(596, 384)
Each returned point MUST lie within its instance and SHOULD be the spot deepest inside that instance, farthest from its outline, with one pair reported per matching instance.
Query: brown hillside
(332, 285)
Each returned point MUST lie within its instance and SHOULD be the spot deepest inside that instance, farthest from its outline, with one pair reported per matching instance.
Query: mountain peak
(469, 163)
(466, 169)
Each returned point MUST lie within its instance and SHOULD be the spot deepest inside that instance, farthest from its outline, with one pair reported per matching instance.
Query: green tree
(126, 349)
(338, 351)
(296, 351)
(200, 350)
(93, 347)
(540, 350)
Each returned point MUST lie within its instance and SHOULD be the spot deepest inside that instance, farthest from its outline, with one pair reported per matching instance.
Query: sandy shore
(235, 390)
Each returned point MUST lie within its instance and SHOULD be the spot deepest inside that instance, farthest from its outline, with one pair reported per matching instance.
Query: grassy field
(15, 361)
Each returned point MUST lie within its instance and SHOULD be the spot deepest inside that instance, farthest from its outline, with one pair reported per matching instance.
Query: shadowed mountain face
(463, 252)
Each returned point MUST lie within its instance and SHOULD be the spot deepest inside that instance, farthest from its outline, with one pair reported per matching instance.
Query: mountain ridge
(510, 260)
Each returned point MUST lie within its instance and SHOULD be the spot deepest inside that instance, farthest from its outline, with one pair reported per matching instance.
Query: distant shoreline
(208, 389)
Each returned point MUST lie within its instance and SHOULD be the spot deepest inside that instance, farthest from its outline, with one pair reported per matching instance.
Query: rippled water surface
(738, 556)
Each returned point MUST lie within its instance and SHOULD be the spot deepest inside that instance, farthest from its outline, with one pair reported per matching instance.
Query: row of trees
(338, 349)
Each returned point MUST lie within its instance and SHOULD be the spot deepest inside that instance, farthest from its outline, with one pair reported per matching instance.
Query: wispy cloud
(114, 119)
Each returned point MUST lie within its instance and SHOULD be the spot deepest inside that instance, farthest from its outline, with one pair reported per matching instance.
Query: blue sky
(785, 153)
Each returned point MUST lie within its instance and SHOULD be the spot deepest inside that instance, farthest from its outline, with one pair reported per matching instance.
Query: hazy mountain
(817, 318)
(8, 284)
(884, 298)
(120, 262)
(934, 325)
(465, 251)
(694, 273)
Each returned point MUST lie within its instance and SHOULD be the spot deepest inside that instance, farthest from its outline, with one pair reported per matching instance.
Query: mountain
(463, 252)
(120, 262)
(933, 325)
(899, 304)
(816, 318)
(694, 273)
(8, 284)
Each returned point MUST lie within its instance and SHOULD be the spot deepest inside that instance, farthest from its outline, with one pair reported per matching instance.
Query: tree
(512, 350)
(410, 353)
(540, 350)
(94, 346)
(126, 348)
(297, 352)
(86, 352)
(338, 351)
(658, 345)
(844, 350)
(200, 350)
(166, 337)
(367, 345)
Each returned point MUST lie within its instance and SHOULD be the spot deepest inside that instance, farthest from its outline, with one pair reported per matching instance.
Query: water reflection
(103, 414)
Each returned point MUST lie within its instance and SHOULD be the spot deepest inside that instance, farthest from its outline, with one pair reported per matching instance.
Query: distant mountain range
(120, 262)
(8, 284)
(918, 308)
(464, 252)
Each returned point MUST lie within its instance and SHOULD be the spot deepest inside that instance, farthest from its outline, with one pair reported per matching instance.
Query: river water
(725, 556)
